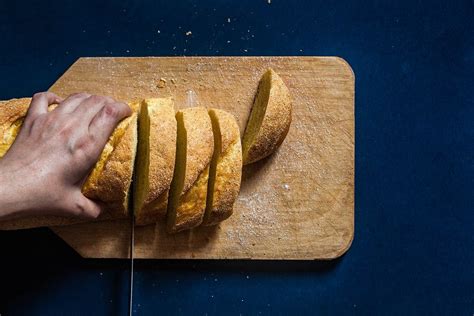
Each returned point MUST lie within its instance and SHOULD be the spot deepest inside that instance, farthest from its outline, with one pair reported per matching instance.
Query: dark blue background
(413, 251)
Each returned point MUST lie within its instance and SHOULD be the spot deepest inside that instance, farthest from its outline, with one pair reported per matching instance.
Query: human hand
(44, 170)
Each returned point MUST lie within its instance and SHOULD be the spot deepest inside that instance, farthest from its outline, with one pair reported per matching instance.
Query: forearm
(25, 191)
(11, 205)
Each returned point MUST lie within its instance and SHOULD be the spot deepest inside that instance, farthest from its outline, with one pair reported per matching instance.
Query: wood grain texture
(296, 204)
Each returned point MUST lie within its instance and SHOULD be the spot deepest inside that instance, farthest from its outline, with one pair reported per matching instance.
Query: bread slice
(155, 159)
(108, 182)
(194, 149)
(225, 170)
(269, 119)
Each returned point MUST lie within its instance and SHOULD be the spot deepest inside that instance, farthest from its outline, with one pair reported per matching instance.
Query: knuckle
(66, 129)
(44, 94)
(86, 142)
(39, 95)
(65, 133)
(111, 110)
(85, 149)
(91, 139)
(96, 98)
(35, 124)
(80, 144)
(49, 120)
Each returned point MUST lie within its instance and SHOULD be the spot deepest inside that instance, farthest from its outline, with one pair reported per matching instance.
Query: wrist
(11, 191)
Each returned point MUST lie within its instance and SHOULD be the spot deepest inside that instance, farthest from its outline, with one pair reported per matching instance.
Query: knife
(132, 246)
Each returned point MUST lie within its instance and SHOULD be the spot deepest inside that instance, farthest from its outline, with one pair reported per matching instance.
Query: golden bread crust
(12, 113)
(13, 109)
(276, 120)
(111, 183)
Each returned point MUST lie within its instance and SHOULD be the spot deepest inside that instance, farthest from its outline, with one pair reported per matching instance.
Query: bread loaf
(155, 159)
(194, 149)
(189, 164)
(108, 182)
(269, 120)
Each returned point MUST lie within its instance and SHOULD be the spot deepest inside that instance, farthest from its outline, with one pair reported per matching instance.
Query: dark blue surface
(413, 251)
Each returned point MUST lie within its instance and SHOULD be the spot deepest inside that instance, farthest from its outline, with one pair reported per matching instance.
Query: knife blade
(132, 246)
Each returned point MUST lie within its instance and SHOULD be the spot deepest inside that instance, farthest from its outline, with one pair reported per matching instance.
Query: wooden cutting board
(297, 204)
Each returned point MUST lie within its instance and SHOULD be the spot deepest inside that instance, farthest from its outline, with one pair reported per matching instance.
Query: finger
(90, 107)
(40, 103)
(72, 102)
(105, 121)
(84, 207)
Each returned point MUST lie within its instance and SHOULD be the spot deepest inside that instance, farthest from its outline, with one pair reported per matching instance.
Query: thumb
(84, 207)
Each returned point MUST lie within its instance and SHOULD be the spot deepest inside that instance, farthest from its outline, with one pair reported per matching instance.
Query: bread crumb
(173, 81)
(189, 33)
(162, 83)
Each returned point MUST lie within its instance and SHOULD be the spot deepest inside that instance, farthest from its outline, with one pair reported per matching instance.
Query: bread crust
(12, 113)
(276, 120)
(228, 170)
(111, 183)
(13, 109)
(162, 140)
(108, 184)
